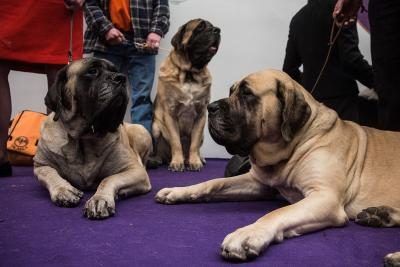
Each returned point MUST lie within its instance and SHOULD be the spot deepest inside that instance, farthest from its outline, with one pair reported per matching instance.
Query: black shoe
(5, 169)
(237, 165)
(153, 162)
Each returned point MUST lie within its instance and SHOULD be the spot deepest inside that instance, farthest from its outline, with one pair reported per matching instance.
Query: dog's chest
(191, 101)
(272, 177)
(80, 164)
(292, 195)
(83, 172)
(191, 95)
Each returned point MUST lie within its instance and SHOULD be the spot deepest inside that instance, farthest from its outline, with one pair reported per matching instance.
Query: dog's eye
(201, 26)
(246, 91)
(231, 90)
(93, 71)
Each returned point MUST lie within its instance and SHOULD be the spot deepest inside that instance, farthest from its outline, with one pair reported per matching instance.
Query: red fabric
(37, 31)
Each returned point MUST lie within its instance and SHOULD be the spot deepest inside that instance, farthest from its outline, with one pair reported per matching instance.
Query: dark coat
(308, 46)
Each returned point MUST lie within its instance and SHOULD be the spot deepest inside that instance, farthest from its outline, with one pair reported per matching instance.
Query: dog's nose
(213, 107)
(216, 30)
(119, 78)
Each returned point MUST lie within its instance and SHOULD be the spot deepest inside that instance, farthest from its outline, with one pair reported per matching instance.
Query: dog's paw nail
(99, 207)
(176, 167)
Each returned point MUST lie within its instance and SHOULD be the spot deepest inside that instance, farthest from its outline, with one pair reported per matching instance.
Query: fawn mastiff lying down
(85, 145)
(330, 170)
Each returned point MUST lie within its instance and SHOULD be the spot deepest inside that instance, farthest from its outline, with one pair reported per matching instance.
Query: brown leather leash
(71, 28)
(332, 39)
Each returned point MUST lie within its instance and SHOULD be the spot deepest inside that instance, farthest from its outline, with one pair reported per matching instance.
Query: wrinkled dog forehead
(189, 28)
(265, 81)
(83, 65)
(80, 67)
(72, 74)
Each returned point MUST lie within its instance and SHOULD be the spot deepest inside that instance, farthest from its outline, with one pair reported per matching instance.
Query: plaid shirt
(147, 16)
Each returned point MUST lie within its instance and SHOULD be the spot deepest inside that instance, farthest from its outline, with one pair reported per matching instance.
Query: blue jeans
(140, 69)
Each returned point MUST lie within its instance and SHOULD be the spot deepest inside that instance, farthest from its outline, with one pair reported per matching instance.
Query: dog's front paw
(170, 195)
(244, 244)
(66, 196)
(176, 166)
(195, 164)
(99, 207)
(392, 260)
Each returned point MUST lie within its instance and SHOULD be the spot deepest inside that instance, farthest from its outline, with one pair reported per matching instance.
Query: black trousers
(346, 107)
(384, 17)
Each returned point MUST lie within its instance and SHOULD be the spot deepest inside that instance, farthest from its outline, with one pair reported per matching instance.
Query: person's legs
(141, 69)
(384, 16)
(346, 107)
(388, 89)
(5, 115)
(368, 111)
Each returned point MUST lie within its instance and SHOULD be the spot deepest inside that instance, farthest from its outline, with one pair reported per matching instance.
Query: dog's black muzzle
(226, 128)
(111, 104)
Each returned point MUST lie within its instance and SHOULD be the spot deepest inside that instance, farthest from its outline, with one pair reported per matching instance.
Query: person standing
(384, 19)
(128, 34)
(29, 43)
(309, 36)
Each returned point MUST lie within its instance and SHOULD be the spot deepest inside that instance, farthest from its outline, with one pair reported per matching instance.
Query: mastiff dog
(183, 94)
(84, 143)
(330, 170)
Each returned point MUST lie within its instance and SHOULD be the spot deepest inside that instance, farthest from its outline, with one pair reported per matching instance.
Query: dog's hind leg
(382, 216)
(140, 141)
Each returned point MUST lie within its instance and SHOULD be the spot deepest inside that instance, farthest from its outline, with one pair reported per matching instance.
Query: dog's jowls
(183, 94)
(328, 169)
(85, 145)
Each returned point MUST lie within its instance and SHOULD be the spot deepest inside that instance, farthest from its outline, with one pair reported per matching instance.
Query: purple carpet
(34, 232)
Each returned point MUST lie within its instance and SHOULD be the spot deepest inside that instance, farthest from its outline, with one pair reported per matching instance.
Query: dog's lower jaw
(233, 148)
(265, 154)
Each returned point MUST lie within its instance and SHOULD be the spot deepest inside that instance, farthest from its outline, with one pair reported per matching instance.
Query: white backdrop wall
(254, 35)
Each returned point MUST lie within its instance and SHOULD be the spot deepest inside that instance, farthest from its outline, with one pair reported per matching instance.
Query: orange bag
(23, 137)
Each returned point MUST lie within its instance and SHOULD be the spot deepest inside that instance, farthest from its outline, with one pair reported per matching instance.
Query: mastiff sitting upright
(330, 170)
(183, 94)
(85, 144)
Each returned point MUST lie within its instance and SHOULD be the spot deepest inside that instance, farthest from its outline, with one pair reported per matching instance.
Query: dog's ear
(178, 38)
(295, 110)
(54, 99)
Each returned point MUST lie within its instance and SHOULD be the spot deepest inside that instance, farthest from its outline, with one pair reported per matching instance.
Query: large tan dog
(84, 144)
(328, 169)
(183, 94)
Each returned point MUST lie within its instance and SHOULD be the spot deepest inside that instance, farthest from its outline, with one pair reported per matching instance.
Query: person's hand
(72, 4)
(368, 93)
(345, 12)
(153, 40)
(114, 36)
